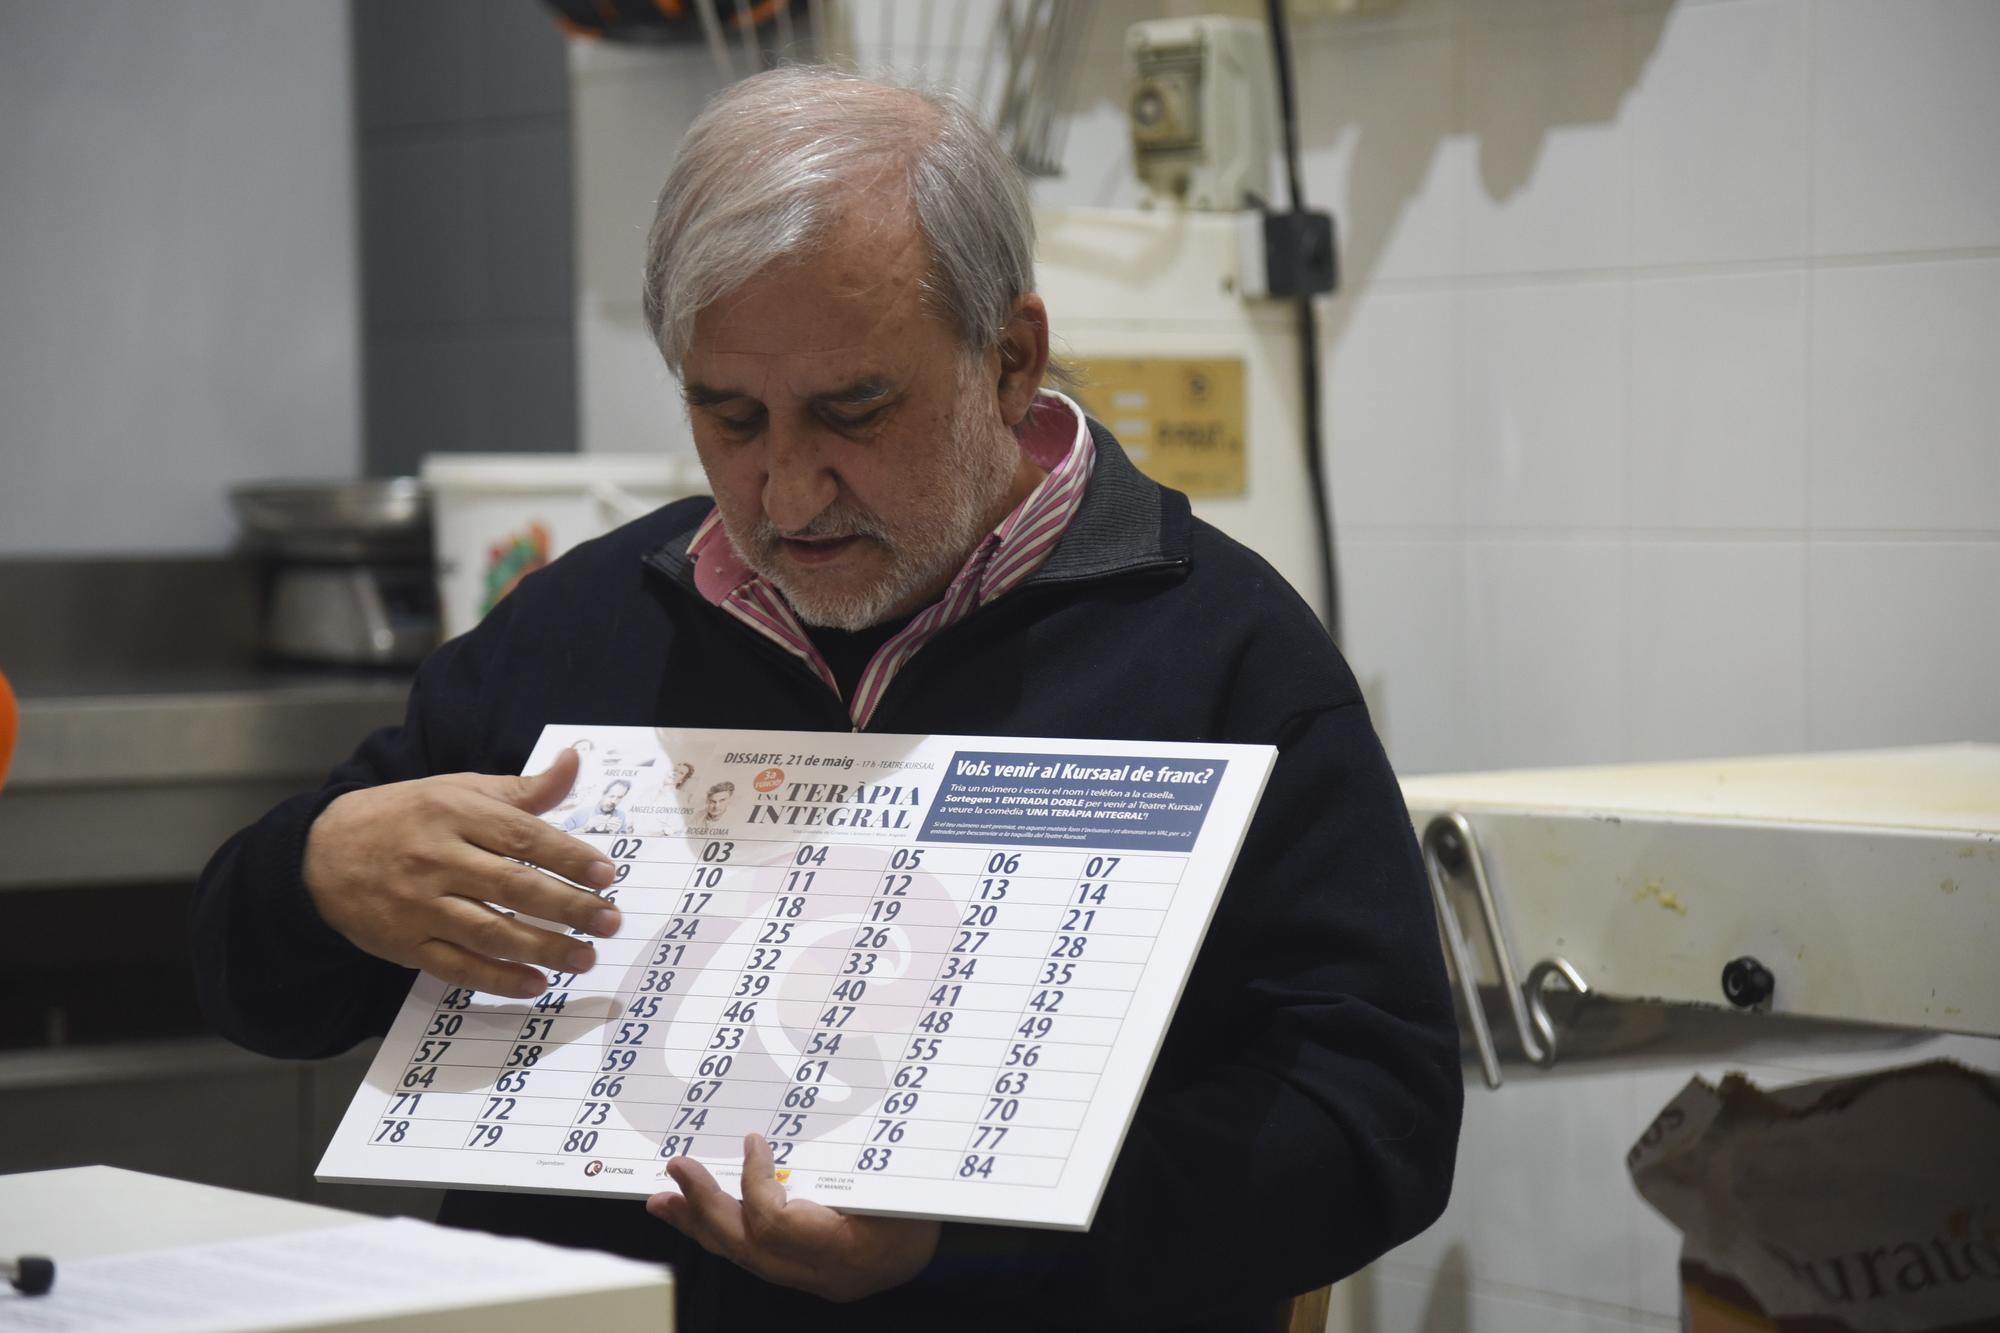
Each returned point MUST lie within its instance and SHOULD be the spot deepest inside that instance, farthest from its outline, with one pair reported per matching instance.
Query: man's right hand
(405, 871)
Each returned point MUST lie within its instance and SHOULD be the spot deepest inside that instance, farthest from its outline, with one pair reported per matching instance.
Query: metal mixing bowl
(387, 519)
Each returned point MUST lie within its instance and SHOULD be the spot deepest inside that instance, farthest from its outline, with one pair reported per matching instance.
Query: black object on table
(31, 1274)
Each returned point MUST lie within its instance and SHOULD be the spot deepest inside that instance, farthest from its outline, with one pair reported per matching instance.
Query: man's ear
(1023, 353)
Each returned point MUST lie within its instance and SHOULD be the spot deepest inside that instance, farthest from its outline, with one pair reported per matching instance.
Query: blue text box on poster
(1125, 803)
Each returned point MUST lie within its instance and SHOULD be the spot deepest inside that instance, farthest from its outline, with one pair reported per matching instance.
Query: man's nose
(798, 485)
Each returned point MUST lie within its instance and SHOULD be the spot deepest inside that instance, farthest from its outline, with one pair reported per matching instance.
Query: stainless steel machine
(346, 569)
(1856, 888)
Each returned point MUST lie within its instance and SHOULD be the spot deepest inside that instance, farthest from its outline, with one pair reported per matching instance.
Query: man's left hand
(794, 1243)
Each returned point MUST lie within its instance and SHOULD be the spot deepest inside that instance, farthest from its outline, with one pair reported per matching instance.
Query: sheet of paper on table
(933, 970)
(310, 1279)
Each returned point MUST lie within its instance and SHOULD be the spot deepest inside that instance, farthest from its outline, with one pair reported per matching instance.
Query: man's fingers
(462, 967)
(707, 1215)
(710, 1216)
(794, 1244)
(396, 867)
(671, 1207)
(536, 793)
(479, 929)
(540, 792)
(509, 832)
(763, 1196)
(525, 889)
(785, 1233)
(504, 822)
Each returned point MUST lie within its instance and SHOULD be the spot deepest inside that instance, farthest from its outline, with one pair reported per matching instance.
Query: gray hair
(764, 166)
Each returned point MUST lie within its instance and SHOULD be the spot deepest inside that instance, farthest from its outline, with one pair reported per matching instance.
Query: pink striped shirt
(1003, 559)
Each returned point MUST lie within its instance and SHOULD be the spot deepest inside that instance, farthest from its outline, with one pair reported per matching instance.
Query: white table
(101, 1212)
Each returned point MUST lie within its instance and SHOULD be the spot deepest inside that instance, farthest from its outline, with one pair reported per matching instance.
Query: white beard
(979, 465)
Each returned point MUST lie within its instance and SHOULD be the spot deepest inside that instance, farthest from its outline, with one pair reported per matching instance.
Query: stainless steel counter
(149, 733)
(146, 783)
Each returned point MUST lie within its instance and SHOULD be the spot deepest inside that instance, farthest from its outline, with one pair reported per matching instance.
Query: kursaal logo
(593, 1168)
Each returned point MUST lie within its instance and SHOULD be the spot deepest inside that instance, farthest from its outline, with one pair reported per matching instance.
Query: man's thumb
(540, 792)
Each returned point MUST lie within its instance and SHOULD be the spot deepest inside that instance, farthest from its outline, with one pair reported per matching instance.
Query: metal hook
(1538, 1009)
(1451, 847)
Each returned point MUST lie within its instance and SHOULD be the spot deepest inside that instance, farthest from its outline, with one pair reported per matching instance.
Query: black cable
(1308, 325)
(1309, 394)
(1288, 107)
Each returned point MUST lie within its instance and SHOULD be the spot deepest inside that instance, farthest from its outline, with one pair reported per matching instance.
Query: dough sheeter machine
(1862, 887)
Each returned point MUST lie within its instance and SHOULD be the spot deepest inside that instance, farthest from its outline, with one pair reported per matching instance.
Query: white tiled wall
(1904, 118)
(1542, 401)
(1664, 409)
(1679, 317)
(1710, 290)
(1905, 397)
(1720, 653)
(178, 286)
(1717, 112)
(1718, 401)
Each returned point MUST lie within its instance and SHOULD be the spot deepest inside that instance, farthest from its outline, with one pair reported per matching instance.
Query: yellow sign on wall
(1180, 418)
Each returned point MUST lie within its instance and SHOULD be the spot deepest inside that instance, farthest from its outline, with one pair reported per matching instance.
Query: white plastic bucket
(497, 517)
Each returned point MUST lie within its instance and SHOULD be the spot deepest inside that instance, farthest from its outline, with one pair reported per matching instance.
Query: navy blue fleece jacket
(1303, 1114)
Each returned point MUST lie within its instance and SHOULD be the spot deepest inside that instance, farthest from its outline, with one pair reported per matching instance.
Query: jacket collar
(1127, 523)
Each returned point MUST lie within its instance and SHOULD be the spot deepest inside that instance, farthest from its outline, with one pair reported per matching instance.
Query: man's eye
(742, 425)
(852, 420)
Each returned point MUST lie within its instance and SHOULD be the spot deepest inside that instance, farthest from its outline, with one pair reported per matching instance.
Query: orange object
(10, 726)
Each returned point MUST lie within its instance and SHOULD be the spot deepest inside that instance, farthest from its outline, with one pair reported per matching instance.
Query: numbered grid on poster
(932, 971)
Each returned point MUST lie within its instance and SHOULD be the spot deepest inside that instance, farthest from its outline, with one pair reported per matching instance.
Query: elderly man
(908, 535)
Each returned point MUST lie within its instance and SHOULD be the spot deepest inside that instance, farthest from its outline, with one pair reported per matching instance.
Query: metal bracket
(1538, 1009)
(1450, 848)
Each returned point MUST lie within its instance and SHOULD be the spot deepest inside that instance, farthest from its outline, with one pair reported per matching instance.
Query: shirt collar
(1057, 438)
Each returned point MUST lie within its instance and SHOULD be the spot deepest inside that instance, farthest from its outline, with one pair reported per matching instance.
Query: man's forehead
(830, 382)
(871, 242)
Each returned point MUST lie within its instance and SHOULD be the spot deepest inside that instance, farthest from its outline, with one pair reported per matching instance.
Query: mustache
(835, 521)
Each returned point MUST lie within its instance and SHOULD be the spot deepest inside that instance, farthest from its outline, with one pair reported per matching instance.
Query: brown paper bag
(1836, 1206)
